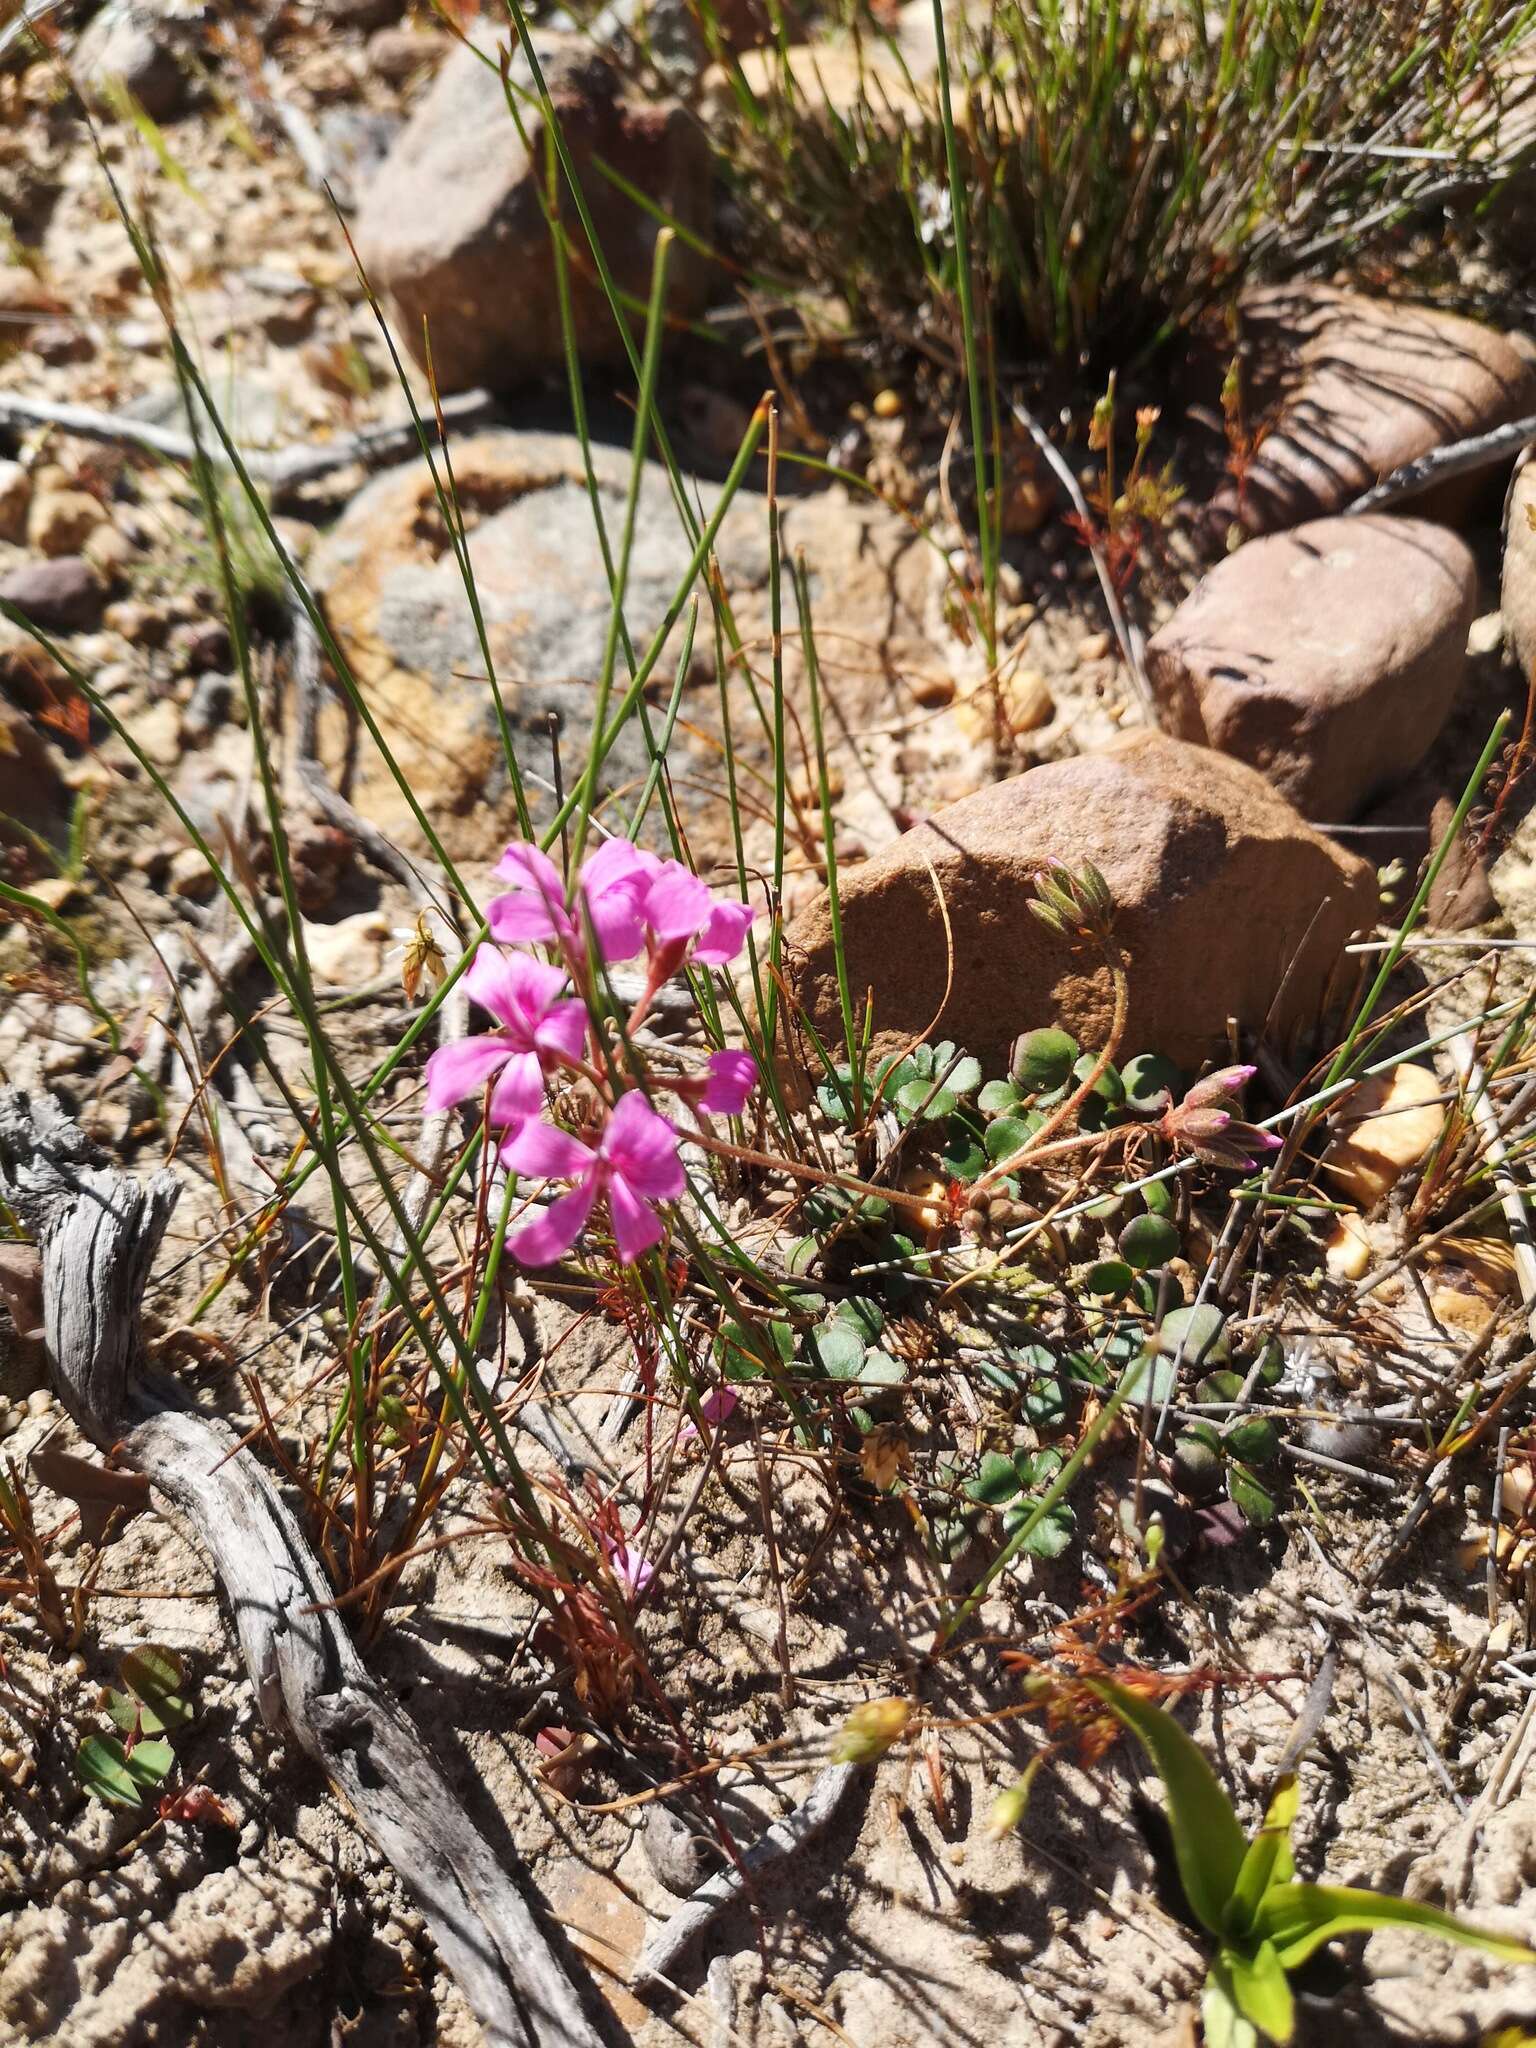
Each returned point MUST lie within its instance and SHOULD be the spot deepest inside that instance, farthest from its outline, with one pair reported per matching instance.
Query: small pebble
(1094, 647)
(888, 405)
(39, 1401)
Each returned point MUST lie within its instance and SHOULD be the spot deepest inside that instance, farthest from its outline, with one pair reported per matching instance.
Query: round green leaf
(837, 1348)
(1151, 1083)
(1148, 1241)
(1108, 1277)
(997, 1098)
(1199, 1332)
(1008, 1134)
(996, 1480)
(1255, 1439)
(1253, 1500)
(1220, 1386)
(1043, 1060)
(964, 1077)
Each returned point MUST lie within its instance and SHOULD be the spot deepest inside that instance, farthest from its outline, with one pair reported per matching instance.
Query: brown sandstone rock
(31, 787)
(451, 226)
(1223, 893)
(1359, 386)
(1518, 597)
(1327, 657)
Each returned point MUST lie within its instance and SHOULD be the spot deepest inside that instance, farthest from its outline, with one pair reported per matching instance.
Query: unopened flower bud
(870, 1731)
(1010, 1806)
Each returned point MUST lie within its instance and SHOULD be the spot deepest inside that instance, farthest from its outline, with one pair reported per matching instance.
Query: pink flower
(686, 922)
(630, 898)
(717, 1406)
(730, 1080)
(535, 1033)
(635, 1164)
(633, 1571)
(610, 886)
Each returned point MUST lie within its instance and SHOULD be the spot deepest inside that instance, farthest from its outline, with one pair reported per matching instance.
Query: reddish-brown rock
(452, 229)
(1354, 388)
(1227, 905)
(1517, 598)
(1328, 657)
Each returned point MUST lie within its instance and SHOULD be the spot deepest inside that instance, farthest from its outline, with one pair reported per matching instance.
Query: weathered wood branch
(282, 471)
(97, 1230)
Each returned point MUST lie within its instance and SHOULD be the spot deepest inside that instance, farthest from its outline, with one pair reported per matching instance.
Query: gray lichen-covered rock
(1328, 657)
(452, 227)
(1227, 905)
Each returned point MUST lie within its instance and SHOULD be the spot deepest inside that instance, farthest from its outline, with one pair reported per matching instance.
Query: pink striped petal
(519, 1094)
(724, 934)
(562, 1030)
(550, 1236)
(642, 1147)
(635, 1226)
(544, 1152)
(732, 1077)
(462, 1069)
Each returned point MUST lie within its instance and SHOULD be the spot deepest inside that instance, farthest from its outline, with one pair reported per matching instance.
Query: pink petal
(633, 1571)
(515, 989)
(562, 1030)
(529, 867)
(719, 1404)
(635, 1227)
(615, 862)
(462, 1069)
(677, 904)
(550, 1236)
(519, 1094)
(617, 924)
(732, 1077)
(724, 932)
(642, 1146)
(523, 920)
(544, 1152)
(537, 911)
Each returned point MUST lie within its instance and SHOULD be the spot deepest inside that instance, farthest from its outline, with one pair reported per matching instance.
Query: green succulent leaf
(1220, 1386)
(1044, 1060)
(964, 1076)
(1051, 1534)
(1044, 1403)
(154, 1676)
(997, 1480)
(1255, 1439)
(964, 1157)
(1148, 1241)
(1260, 1990)
(1110, 1277)
(1300, 1918)
(104, 1771)
(997, 1098)
(1268, 1861)
(1250, 1495)
(1208, 1844)
(1157, 1198)
(744, 1354)
(1200, 1332)
(1224, 2025)
(877, 1369)
(1151, 1083)
(1008, 1134)
(864, 1315)
(837, 1348)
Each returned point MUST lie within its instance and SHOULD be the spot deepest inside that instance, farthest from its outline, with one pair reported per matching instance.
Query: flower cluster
(625, 902)
(1206, 1123)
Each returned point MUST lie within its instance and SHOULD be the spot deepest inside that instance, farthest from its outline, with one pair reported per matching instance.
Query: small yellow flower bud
(870, 1731)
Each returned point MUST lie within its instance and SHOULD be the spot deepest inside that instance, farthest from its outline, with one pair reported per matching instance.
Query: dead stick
(97, 1231)
(281, 471)
(663, 1953)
